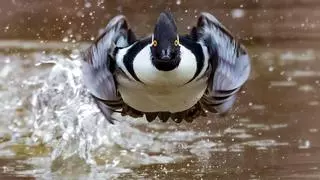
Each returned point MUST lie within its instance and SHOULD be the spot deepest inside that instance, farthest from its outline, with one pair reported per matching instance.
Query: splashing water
(63, 134)
(66, 119)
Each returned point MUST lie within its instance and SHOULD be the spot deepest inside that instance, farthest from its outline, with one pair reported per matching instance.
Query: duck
(165, 74)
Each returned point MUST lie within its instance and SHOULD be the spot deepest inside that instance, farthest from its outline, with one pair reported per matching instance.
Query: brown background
(55, 19)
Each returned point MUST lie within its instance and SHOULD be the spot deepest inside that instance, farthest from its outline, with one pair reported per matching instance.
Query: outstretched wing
(229, 61)
(99, 64)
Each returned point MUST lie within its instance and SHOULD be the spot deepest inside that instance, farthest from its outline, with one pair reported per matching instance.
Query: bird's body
(165, 75)
(147, 89)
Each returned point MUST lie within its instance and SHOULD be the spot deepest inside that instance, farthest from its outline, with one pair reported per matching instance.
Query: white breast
(161, 90)
(150, 75)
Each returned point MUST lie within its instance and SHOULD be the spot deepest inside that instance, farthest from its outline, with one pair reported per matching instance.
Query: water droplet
(7, 60)
(65, 39)
(100, 2)
(271, 68)
(178, 2)
(304, 144)
(87, 5)
(237, 13)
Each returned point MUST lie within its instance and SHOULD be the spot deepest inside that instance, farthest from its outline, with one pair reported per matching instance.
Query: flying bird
(165, 75)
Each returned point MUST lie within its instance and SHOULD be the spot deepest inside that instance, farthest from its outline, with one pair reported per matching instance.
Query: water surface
(51, 129)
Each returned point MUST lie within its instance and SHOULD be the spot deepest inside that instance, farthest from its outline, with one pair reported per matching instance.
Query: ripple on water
(308, 55)
(303, 73)
(283, 83)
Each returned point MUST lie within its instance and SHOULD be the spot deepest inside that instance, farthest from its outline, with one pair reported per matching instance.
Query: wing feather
(98, 63)
(229, 60)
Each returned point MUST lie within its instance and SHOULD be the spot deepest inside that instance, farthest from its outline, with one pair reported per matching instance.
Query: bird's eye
(154, 43)
(176, 42)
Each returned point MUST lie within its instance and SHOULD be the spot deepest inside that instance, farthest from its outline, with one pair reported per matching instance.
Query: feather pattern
(227, 67)
(229, 60)
(98, 63)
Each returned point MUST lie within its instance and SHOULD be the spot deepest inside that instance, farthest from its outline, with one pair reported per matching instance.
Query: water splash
(66, 119)
(48, 106)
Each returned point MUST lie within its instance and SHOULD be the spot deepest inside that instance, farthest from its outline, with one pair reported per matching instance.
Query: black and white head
(162, 59)
(165, 49)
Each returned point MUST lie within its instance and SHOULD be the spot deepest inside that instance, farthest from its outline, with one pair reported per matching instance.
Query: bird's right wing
(98, 64)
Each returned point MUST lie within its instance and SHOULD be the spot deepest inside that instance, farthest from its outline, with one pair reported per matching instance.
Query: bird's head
(165, 48)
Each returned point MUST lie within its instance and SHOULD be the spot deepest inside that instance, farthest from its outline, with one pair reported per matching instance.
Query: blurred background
(80, 19)
(51, 129)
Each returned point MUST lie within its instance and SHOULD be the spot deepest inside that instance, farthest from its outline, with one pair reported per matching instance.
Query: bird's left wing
(229, 61)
